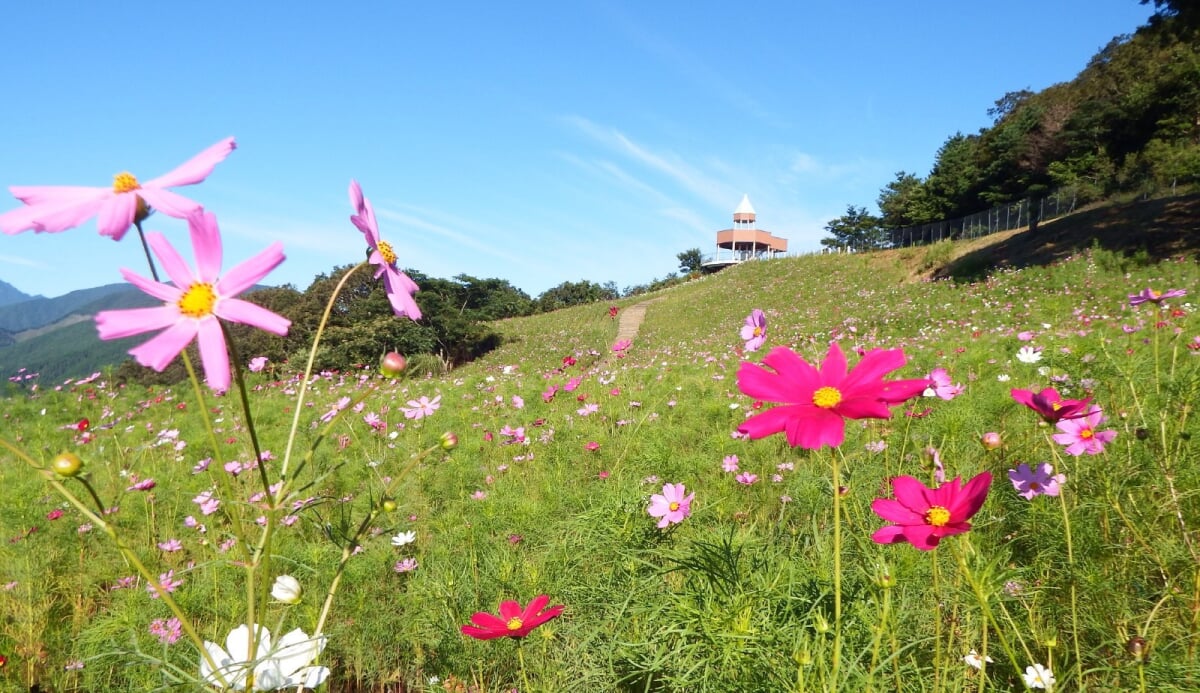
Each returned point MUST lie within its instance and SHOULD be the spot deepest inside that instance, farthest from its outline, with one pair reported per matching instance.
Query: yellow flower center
(758, 332)
(827, 397)
(937, 516)
(1086, 433)
(1056, 405)
(198, 301)
(389, 255)
(515, 623)
(125, 182)
(1154, 294)
(673, 507)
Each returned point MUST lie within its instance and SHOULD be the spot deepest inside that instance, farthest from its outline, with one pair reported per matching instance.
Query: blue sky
(539, 142)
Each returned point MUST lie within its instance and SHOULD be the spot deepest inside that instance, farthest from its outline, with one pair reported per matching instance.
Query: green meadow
(764, 587)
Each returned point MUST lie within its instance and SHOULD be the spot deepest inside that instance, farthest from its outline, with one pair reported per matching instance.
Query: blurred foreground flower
(194, 303)
(284, 664)
(754, 332)
(54, 208)
(923, 516)
(399, 287)
(940, 385)
(672, 506)
(513, 621)
(817, 402)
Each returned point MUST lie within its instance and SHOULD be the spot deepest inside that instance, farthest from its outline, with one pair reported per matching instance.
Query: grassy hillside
(772, 583)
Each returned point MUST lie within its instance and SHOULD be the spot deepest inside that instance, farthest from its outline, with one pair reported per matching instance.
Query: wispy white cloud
(23, 262)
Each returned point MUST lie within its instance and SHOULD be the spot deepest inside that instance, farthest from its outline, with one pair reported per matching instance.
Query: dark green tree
(690, 260)
(570, 294)
(856, 230)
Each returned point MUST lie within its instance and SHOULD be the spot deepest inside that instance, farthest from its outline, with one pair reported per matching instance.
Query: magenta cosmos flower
(817, 402)
(194, 302)
(513, 621)
(941, 386)
(671, 506)
(923, 516)
(1050, 405)
(754, 332)
(1080, 435)
(399, 287)
(1151, 296)
(54, 208)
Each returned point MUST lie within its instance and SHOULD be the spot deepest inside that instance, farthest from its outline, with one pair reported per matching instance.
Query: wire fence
(1008, 217)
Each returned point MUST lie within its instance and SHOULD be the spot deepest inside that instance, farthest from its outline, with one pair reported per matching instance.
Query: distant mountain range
(56, 336)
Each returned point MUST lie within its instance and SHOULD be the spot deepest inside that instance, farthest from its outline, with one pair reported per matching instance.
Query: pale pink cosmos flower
(1036, 481)
(422, 407)
(1149, 295)
(54, 208)
(168, 583)
(257, 364)
(399, 287)
(746, 478)
(754, 332)
(1080, 435)
(194, 303)
(940, 385)
(729, 463)
(671, 506)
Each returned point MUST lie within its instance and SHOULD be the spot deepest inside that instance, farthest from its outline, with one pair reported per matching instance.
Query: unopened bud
(991, 440)
(389, 506)
(1138, 648)
(66, 464)
(393, 364)
(287, 589)
(449, 440)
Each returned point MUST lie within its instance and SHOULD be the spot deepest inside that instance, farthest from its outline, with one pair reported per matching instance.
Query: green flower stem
(1062, 502)
(521, 659)
(312, 357)
(837, 567)
(126, 552)
(937, 619)
(985, 606)
(238, 377)
(348, 549)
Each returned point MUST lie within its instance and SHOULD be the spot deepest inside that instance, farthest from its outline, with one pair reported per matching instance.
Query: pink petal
(172, 263)
(165, 346)
(768, 422)
(792, 369)
(921, 536)
(896, 391)
(195, 169)
(509, 610)
(895, 511)
(56, 195)
(116, 215)
(757, 382)
(356, 196)
(888, 534)
(815, 428)
(875, 364)
(213, 354)
(833, 368)
(481, 634)
(970, 499)
(169, 203)
(246, 313)
(206, 244)
(247, 273)
(53, 218)
(863, 408)
(539, 602)
(488, 621)
(17, 220)
(117, 324)
(163, 292)
(912, 494)
(402, 303)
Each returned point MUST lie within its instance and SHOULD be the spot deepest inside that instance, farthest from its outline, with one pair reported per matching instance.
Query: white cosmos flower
(1028, 354)
(283, 664)
(1038, 676)
(404, 538)
(973, 659)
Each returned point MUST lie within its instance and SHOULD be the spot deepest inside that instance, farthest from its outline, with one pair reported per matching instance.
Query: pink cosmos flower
(730, 463)
(53, 208)
(194, 303)
(923, 516)
(1152, 296)
(257, 364)
(1050, 405)
(621, 345)
(817, 402)
(513, 621)
(168, 583)
(1080, 435)
(746, 478)
(940, 385)
(420, 408)
(754, 332)
(166, 630)
(671, 506)
(1036, 481)
(591, 446)
(399, 287)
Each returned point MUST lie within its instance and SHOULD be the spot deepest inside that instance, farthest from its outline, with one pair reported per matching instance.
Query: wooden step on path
(631, 320)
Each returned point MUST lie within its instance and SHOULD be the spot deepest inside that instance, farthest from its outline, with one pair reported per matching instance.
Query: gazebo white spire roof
(745, 207)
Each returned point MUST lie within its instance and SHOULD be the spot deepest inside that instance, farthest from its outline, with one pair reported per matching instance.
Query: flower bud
(449, 440)
(66, 464)
(393, 364)
(287, 589)
(991, 440)
(1138, 648)
(389, 506)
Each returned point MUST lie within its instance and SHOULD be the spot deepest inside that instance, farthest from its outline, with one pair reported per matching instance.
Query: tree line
(1128, 122)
